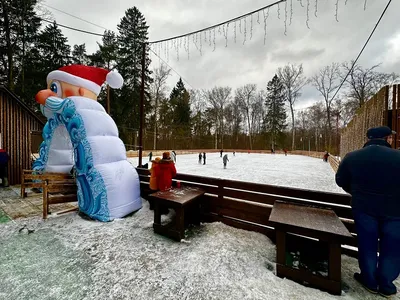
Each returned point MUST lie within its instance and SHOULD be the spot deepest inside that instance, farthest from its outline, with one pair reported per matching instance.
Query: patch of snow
(71, 257)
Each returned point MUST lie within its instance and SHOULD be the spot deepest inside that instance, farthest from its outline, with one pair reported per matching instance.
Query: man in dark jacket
(370, 175)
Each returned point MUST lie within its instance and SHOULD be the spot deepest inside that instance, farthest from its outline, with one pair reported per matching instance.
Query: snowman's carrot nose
(42, 95)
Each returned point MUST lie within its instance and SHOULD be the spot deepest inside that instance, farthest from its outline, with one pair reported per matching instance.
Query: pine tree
(19, 25)
(180, 105)
(49, 52)
(109, 49)
(53, 48)
(275, 120)
(107, 54)
(133, 32)
(79, 55)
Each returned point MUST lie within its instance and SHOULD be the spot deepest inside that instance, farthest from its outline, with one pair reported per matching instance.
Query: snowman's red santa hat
(90, 78)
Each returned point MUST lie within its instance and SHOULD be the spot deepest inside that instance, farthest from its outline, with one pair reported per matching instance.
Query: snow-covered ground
(277, 169)
(70, 257)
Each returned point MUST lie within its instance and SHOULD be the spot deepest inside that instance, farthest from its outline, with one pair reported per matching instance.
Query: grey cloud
(325, 42)
(301, 55)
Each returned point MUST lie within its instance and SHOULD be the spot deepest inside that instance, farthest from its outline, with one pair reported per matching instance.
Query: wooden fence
(382, 109)
(248, 205)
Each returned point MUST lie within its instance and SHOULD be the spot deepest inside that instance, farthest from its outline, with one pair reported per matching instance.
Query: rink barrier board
(248, 205)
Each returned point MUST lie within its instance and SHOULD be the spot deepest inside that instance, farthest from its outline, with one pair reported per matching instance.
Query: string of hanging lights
(240, 26)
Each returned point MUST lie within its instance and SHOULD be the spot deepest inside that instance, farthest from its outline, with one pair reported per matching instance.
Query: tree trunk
(248, 124)
(328, 111)
(222, 130)
(293, 130)
(216, 134)
(272, 141)
(9, 46)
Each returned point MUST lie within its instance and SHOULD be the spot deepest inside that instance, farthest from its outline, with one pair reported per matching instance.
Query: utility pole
(108, 100)
(142, 105)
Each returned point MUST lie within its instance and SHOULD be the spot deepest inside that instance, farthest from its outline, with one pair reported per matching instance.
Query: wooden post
(108, 100)
(45, 200)
(394, 112)
(142, 104)
(386, 107)
(397, 136)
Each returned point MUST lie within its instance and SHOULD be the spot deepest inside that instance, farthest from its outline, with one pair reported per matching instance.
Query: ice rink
(274, 169)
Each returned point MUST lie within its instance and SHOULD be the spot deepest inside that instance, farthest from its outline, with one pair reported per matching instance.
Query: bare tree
(246, 97)
(326, 81)
(316, 120)
(197, 101)
(158, 90)
(234, 119)
(345, 109)
(364, 83)
(293, 81)
(218, 98)
(303, 125)
(259, 112)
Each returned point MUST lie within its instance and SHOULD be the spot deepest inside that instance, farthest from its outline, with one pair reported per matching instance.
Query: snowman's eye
(55, 87)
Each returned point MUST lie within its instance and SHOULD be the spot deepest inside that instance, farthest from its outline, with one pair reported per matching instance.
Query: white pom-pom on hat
(114, 80)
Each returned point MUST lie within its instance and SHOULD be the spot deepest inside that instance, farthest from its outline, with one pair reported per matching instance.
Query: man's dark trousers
(383, 270)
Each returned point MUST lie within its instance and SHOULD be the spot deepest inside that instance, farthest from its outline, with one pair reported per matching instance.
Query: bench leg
(157, 213)
(23, 188)
(197, 213)
(280, 247)
(45, 206)
(335, 261)
(45, 201)
(180, 222)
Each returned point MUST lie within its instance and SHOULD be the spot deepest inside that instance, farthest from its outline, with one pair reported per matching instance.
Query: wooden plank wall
(248, 205)
(16, 124)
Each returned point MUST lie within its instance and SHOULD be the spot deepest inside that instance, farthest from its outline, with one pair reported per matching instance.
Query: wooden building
(17, 125)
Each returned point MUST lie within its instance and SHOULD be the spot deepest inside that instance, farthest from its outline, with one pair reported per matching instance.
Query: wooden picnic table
(318, 223)
(185, 202)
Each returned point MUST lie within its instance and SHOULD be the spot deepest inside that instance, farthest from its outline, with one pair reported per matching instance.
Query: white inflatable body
(80, 133)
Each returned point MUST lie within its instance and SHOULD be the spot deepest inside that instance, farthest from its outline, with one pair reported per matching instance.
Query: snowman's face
(65, 90)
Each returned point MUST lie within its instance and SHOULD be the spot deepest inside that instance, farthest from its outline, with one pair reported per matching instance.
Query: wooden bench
(35, 179)
(321, 224)
(185, 202)
(55, 192)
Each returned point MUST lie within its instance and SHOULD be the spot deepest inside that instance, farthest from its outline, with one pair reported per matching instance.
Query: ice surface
(275, 169)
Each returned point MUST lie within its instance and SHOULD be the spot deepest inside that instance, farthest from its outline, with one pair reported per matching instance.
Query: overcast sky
(237, 64)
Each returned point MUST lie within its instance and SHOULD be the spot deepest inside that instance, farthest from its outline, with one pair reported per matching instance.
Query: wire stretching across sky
(72, 28)
(219, 24)
(73, 16)
(163, 40)
(172, 69)
(359, 54)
